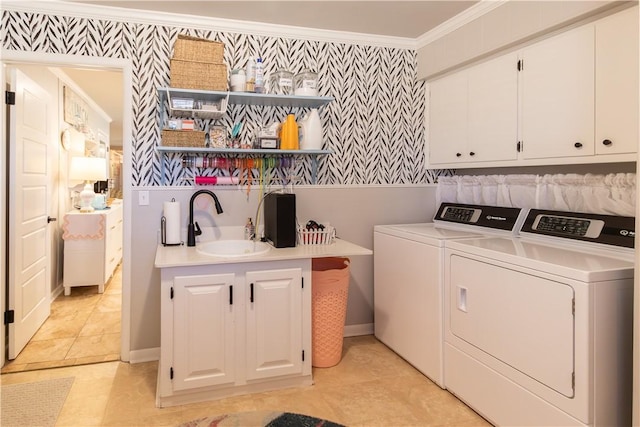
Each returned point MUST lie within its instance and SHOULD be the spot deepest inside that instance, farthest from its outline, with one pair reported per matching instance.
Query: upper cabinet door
(558, 96)
(617, 83)
(493, 110)
(448, 119)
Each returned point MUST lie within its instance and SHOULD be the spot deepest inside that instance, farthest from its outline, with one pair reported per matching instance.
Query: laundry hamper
(330, 286)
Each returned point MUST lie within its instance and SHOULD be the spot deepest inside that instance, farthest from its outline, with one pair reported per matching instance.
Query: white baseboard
(357, 330)
(144, 355)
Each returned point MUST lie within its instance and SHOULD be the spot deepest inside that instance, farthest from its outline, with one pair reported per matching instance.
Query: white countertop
(181, 256)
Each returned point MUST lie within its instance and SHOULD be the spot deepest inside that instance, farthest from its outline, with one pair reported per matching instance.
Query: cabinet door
(493, 110)
(617, 83)
(558, 96)
(448, 119)
(203, 333)
(274, 323)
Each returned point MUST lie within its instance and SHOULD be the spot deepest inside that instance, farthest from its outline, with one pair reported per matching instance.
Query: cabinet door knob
(578, 145)
(471, 153)
(49, 219)
(458, 154)
(607, 142)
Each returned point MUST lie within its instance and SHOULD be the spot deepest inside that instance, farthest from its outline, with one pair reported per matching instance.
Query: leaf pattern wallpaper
(374, 127)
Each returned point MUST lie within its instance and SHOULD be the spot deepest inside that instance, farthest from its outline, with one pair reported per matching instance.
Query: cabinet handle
(458, 154)
(231, 295)
(607, 142)
(251, 297)
(578, 145)
(471, 153)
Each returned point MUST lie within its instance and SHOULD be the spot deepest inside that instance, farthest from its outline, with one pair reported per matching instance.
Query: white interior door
(29, 234)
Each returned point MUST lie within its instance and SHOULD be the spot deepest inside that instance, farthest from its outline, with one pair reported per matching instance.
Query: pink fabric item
(83, 226)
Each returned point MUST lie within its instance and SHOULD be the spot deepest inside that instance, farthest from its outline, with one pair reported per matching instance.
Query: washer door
(525, 321)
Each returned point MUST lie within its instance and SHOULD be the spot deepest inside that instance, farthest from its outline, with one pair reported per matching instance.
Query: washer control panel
(461, 214)
(607, 229)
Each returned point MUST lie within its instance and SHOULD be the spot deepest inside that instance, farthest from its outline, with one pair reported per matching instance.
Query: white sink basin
(232, 248)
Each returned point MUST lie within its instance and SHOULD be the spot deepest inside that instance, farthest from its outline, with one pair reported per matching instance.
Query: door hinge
(573, 380)
(172, 292)
(302, 283)
(520, 64)
(9, 317)
(230, 294)
(519, 146)
(251, 292)
(9, 97)
(573, 306)
(171, 373)
(303, 355)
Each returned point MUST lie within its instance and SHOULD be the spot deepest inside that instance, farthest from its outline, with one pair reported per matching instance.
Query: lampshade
(88, 169)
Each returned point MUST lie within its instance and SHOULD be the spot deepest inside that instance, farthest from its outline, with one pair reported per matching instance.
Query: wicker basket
(183, 138)
(189, 48)
(198, 75)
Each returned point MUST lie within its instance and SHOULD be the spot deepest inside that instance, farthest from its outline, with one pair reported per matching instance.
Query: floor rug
(33, 404)
(261, 419)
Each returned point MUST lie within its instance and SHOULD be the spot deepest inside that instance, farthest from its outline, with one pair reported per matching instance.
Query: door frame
(125, 66)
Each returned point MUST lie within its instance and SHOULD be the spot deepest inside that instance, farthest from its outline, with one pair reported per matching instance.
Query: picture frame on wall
(76, 110)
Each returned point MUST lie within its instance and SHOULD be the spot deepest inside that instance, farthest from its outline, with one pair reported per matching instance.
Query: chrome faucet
(193, 229)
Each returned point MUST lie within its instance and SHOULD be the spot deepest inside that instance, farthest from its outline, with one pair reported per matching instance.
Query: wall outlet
(143, 198)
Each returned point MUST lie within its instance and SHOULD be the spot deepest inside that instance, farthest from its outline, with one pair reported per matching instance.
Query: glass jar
(281, 82)
(305, 83)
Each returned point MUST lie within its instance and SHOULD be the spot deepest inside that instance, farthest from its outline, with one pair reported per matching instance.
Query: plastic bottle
(249, 230)
(311, 138)
(259, 76)
(251, 74)
(289, 134)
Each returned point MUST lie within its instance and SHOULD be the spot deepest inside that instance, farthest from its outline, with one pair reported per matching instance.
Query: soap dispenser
(249, 230)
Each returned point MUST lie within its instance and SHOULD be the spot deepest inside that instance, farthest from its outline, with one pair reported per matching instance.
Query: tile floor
(372, 386)
(83, 327)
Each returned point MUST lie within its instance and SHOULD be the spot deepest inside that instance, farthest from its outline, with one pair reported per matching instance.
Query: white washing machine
(538, 328)
(408, 278)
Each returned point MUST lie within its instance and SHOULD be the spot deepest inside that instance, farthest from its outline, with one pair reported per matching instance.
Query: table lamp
(89, 170)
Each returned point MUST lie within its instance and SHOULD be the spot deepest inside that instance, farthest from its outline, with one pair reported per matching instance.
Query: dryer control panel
(493, 217)
(605, 229)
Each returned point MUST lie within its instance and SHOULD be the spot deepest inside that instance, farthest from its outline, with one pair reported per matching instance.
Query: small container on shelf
(305, 83)
(218, 137)
(281, 82)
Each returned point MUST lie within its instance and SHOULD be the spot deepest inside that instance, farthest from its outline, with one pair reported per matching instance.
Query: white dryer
(538, 328)
(408, 278)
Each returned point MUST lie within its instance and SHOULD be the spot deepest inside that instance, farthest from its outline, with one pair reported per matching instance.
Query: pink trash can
(330, 288)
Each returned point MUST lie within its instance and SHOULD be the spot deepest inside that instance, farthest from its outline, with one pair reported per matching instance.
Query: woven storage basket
(189, 48)
(183, 138)
(198, 75)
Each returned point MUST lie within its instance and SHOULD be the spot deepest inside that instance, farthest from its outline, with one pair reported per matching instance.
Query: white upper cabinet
(571, 98)
(557, 115)
(473, 114)
(617, 83)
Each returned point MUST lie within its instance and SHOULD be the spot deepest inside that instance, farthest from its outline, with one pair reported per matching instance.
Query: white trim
(358, 330)
(126, 67)
(466, 16)
(3, 220)
(119, 14)
(144, 355)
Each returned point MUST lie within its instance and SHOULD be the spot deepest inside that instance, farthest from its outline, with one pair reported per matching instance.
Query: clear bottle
(251, 74)
(249, 230)
(259, 76)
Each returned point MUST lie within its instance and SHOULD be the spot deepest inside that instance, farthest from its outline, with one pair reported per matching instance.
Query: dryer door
(523, 320)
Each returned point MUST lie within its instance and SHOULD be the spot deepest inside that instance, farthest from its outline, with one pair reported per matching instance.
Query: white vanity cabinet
(558, 100)
(230, 329)
(92, 247)
(473, 114)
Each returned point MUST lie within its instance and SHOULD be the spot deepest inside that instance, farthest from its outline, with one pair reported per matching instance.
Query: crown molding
(83, 10)
(466, 16)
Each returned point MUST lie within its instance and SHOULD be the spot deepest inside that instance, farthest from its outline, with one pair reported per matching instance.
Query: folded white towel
(83, 226)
